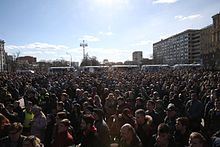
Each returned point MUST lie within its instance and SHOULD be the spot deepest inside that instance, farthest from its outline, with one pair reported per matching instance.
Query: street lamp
(83, 45)
(70, 58)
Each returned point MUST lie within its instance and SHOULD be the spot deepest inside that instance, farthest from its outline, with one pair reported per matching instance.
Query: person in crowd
(150, 106)
(65, 99)
(163, 137)
(39, 123)
(97, 102)
(63, 138)
(171, 116)
(129, 138)
(61, 108)
(182, 131)
(197, 140)
(75, 119)
(18, 110)
(4, 124)
(194, 111)
(215, 139)
(144, 128)
(213, 121)
(14, 138)
(89, 132)
(118, 120)
(102, 127)
(27, 118)
(110, 105)
(32, 141)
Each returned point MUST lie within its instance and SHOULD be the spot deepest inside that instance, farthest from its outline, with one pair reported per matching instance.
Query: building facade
(206, 46)
(137, 56)
(181, 48)
(216, 41)
(27, 59)
(2, 55)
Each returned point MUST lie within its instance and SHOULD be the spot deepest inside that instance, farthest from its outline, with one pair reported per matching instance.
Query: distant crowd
(117, 108)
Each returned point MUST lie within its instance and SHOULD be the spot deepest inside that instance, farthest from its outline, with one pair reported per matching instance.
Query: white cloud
(106, 33)
(37, 45)
(89, 38)
(143, 42)
(164, 1)
(191, 17)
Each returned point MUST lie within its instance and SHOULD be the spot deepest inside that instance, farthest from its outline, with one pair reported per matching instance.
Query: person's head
(16, 104)
(127, 132)
(63, 125)
(98, 114)
(64, 96)
(196, 140)
(14, 131)
(193, 95)
(3, 121)
(97, 100)
(150, 105)
(85, 94)
(87, 122)
(139, 101)
(36, 109)
(217, 104)
(182, 123)
(140, 116)
(60, 106)
(171, 110)
(163, 134)
(31, 141)
(60, 116)
(110, 96)
(120, 100)
(76, 108)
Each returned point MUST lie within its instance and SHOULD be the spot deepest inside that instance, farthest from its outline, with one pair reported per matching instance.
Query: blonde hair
(196, 135)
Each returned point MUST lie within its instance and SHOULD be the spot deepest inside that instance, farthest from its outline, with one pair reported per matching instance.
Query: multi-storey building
(137, 56)
(216, 40)
(206, 46)
(181, 48)
(27, 59)
(2, 55)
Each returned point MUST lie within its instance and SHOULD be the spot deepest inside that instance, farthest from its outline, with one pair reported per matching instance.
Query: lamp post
(83, 45)
(70, 58)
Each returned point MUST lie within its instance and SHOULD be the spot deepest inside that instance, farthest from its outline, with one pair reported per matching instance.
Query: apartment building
(2, 55)
(137, 56)
(181, 48)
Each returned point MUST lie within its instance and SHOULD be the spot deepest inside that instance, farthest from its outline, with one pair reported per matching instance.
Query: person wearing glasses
(14, 138)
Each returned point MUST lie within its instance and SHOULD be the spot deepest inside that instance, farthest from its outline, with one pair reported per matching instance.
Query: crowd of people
(124, 108)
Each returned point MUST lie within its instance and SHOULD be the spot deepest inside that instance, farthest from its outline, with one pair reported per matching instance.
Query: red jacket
(64, 139)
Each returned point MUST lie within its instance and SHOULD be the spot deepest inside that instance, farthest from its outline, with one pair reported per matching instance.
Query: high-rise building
(2, 55)
(137, 56)
(206, 45)
(216, 40)
(181, 48)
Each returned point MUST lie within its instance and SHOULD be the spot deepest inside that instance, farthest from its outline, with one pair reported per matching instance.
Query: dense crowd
(125, 108)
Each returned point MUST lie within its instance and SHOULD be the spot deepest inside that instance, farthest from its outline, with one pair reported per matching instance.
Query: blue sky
(113, 29)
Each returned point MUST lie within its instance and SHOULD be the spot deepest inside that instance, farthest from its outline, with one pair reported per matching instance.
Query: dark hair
(66, 122)
(140, 111)
(151, 101)
(61, 115)
(183, 120)
(163, 128)
(88, 118)
(99, 112)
